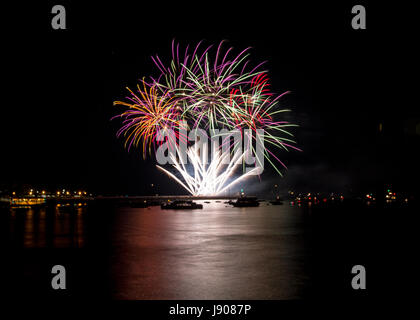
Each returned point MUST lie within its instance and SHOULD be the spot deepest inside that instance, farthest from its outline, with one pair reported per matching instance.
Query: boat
(66, 207)
(154, 203)
(181, 204)
(246, 202)
(27, 202)
(277, 201)
(139, 204)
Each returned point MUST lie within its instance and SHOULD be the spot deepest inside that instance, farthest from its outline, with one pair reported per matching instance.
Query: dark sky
(59, 87)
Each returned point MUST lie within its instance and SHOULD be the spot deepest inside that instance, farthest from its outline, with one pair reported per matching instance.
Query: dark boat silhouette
(139, 204)
(181, 204)
(65, 208)
(277, 201)
(246, 202)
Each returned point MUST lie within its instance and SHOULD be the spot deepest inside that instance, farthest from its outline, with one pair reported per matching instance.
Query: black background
(60, 84)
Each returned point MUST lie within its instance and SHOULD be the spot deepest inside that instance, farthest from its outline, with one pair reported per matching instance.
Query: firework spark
(209, 179)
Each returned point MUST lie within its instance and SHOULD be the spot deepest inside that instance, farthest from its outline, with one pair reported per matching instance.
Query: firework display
(210, 91)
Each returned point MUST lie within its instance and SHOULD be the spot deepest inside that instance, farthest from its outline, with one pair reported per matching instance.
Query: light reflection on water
(219, 252)
(46, 227)
(214, 253)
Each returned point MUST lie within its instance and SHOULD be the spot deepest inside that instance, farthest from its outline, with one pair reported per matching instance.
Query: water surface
(219, 252)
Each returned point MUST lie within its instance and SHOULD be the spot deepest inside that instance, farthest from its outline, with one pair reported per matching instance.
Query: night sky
(59, 87)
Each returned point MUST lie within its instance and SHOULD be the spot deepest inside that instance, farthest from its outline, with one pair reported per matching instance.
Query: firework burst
(148, 117)
(210, 91)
